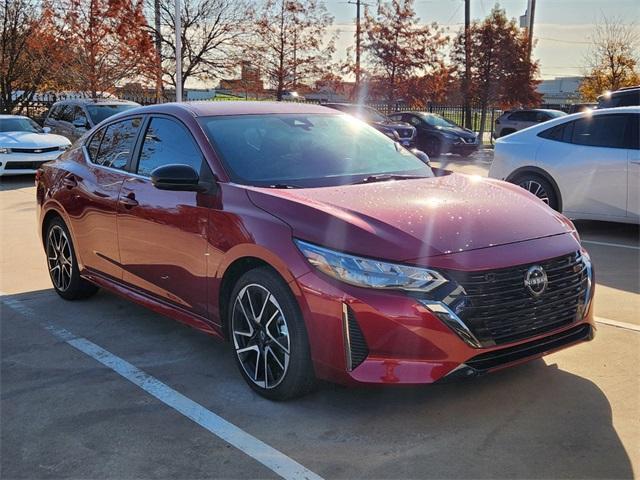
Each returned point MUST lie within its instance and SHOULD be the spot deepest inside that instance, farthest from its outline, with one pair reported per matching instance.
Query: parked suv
(435, 134)
(514, 120)
(73, 118)
(312, 244)
(399, 131)
(625, 97)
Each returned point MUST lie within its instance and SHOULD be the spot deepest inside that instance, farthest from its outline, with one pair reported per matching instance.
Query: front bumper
(399, 340)
(24, 163)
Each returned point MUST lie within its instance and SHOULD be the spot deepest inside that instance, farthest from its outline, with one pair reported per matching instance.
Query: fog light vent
(356, 349)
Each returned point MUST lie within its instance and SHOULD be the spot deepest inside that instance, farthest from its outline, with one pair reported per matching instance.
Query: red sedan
(316, 245)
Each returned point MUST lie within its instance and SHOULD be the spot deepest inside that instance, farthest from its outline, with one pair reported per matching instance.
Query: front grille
(24, 165)
(356, 346)
(496, 358)
(34, 150)
(499, 308)
(404, 132)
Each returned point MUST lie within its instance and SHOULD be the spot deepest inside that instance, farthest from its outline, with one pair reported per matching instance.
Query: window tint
(600, 131)
(559, 133)
(633, 131)
(78, 114)
(94, 144)
(523, 116)
(629, 99)
(117, 144)
(66, 113)
(166, 142)
(55, 112)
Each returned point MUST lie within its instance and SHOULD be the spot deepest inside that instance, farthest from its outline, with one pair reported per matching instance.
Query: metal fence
(38, 107)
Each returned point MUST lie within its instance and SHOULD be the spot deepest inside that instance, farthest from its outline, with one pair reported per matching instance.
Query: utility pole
(531, 10)
(178, 25)
(358, 4)
(158, 39)
(466, 87)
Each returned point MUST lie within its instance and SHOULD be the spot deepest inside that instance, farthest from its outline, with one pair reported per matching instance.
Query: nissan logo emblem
(535, 280)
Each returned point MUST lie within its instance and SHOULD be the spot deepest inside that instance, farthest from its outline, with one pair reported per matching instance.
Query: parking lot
(75, 402)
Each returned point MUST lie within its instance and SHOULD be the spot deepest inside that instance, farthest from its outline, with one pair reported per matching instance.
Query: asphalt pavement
(103, 388)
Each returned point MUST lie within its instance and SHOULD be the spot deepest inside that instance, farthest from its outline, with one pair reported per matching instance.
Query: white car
(24, 146)
(585, 165)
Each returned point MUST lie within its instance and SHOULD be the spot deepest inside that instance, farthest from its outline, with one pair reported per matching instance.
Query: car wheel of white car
(540, 187)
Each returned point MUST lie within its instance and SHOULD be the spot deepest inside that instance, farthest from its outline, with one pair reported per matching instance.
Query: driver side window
(167, 142)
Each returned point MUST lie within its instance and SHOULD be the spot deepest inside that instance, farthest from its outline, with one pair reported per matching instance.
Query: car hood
(459, 131)
(31, 140)
(410, 219)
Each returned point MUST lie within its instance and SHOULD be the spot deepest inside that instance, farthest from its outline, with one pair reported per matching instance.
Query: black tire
(433, 147)
(63, 265)
(540, 187)
(253, 339)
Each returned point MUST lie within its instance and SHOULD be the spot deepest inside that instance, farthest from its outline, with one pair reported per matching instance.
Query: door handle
(129, 201)
(70, 181)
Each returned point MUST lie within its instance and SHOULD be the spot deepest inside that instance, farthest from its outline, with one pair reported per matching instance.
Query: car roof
(234, 107)
(97, 101)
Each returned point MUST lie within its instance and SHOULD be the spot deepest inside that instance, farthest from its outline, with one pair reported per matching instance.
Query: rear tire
(63, 265)
(540, 187)
(269, 337)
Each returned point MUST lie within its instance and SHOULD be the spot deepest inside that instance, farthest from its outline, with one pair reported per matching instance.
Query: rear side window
(167, 142)
(600, 131)
(94, 144)
(559, 133)
(66, 113)
(523, 116)
(117, 144)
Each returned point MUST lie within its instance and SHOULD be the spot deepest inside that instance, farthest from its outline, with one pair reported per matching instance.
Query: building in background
(560, 90)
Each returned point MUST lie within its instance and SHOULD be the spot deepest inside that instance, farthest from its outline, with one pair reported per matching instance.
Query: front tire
(269, 337)
(540, 187)
(63, 265)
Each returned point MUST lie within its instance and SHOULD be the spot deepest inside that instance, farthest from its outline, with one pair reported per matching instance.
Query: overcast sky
(562, 27)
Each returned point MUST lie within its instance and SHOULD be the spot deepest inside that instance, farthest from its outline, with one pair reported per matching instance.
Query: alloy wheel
(260, 336)
(537, 189)
(59, 258)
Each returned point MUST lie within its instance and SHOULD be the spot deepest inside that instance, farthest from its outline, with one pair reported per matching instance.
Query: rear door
(163, 234)
(95, 187)
(594, 174)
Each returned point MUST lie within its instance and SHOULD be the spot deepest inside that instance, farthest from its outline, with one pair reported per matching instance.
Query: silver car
(73, 118)
(513, 120)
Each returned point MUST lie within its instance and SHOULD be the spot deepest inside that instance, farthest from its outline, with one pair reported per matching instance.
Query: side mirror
(81, 123)
(421, 155)
(46, 129)
(177, 177)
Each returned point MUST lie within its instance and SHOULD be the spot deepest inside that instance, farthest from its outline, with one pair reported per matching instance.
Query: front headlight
(5, 150)
(365, 272)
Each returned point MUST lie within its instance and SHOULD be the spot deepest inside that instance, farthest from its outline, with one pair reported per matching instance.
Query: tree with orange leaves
(108, 41)
(398, 47)
(501, 71)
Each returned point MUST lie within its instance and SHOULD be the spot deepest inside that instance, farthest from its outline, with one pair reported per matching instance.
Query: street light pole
(178, 24)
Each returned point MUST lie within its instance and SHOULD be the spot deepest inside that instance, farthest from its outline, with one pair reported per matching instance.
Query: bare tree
(612, 59)
(213, 33)
(290, 44)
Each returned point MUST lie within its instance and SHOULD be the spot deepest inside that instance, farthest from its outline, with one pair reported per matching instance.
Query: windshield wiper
(283, 185)
(383, 177)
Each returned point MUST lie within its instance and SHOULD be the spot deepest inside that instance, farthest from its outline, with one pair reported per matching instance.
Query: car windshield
(306, 150)
(19, 124)
(100, 112)
(437, 120)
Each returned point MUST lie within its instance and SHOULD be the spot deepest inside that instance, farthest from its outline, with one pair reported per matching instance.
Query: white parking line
(616, 323)
(609, 244)
(271, 458)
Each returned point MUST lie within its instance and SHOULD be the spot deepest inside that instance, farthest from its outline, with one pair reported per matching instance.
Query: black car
(625, 97)
(400, 131)
(436, 134)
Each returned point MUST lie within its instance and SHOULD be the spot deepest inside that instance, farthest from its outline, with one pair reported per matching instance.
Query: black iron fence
(40, 104)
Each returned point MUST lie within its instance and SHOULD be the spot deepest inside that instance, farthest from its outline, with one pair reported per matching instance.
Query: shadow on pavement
(533, 421)
(16, 182)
